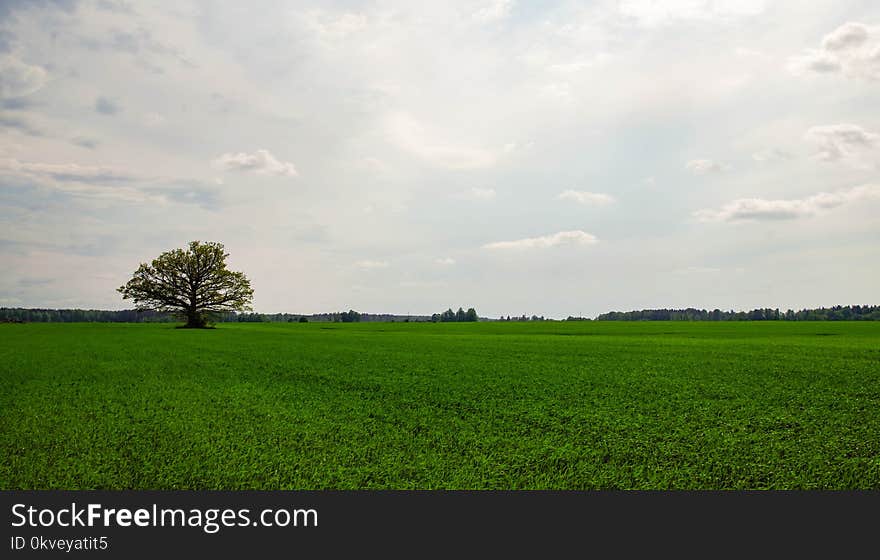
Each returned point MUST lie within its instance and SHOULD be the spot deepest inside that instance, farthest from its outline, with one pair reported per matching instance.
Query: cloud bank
(576, 237)
(261, 162)
(18, 78)
(704, 166)
(371, 265)
(841, 141)
(745, 209)
(853, 49)
(107, 183)
(586, 198)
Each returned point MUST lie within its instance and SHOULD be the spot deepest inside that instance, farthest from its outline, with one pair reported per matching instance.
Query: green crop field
(463, 406)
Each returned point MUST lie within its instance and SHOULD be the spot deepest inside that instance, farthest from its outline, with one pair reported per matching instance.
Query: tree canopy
(193, 284)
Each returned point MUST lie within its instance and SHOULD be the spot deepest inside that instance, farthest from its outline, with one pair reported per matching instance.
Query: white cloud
(853, 49)
(787, 209)
(385, 206)
(817, 61)
(478, 193)
(120, 194)
(841, 141)
(330, 29)
(577, 66)
(261, 162)
(492, 10)
(373, 165)
(705, 166)
(586, 198)
(18, 78)
(66, 172)
(154, 119)
(748, 53)
(771, 154)
(696, 270)
(558, 91)
(445, 261)
(422, 284)
(561, 238)
(371, 265)
(848, 36)
(433, 148)
(656, 12)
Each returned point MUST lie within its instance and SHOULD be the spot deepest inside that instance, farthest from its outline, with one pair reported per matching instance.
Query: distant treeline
(350, 316)
(526, 318)
(460, 316)
(22, 315)
(836, 313)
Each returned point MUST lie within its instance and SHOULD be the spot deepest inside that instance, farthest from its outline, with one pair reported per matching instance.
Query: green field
(454, 405)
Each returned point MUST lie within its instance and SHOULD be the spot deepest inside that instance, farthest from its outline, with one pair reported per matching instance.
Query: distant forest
(836, 313)
(460, 316)
(22, 315)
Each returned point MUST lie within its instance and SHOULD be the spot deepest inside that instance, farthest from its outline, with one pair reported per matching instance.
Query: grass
(462, 406)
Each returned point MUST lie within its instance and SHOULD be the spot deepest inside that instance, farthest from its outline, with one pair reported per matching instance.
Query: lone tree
(193, 284)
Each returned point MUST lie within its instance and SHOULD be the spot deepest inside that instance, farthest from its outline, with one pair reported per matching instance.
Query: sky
(547, 158)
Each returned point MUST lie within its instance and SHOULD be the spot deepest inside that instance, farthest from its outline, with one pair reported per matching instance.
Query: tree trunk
(194, 319)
